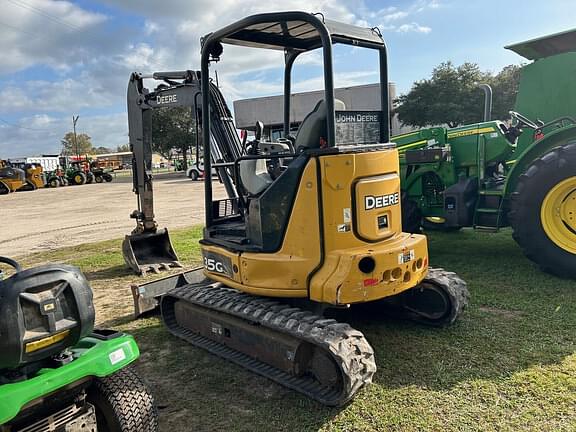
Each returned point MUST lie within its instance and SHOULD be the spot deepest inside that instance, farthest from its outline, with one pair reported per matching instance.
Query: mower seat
(313, 127)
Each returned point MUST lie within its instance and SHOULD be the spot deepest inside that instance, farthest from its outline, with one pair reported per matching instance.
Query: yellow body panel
(361, 223)
(34, 175)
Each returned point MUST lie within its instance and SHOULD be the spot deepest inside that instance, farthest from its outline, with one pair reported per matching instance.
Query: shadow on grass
(214, 394)
(109, 273)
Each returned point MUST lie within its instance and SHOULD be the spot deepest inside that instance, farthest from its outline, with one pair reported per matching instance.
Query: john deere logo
(381, 201)
(48, 307)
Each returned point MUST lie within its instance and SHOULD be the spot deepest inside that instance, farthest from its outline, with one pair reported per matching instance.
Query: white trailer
(48, 163)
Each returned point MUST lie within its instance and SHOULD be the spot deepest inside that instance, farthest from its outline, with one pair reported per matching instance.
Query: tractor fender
(536, 149)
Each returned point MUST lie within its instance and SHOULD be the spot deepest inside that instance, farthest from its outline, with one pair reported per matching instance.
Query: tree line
(173, 133)
(451, 96)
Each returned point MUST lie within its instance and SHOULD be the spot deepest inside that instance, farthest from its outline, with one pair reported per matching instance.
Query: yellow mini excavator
(311, 220)
(15, 179)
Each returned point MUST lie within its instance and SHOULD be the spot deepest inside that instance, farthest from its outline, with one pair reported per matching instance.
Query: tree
(505, 88)
(82, 146)
(123, 148)
(101, 150)
(173, 129)
(451, 96)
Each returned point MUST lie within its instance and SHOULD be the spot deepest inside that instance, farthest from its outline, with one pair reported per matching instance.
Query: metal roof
(293, 30)
(546, 46)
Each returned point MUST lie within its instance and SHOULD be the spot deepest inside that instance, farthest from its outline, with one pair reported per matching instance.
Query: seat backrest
(313, 127)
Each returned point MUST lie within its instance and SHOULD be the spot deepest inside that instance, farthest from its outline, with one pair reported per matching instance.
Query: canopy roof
(293, 30)
(546, 46)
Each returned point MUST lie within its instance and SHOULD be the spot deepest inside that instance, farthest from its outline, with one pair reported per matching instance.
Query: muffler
(149, 252)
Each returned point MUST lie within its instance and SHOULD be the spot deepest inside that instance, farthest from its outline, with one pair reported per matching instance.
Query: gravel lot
(49, 219)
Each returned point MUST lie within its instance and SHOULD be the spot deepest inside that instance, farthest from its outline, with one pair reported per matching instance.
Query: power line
(19, 30)
(27, 128)
(51, 17)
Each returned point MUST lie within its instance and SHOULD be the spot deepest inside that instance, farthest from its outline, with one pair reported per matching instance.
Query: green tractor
(56, 372)
(491, 175)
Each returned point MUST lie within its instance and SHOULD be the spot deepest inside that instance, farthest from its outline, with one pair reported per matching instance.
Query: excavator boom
(149, 248)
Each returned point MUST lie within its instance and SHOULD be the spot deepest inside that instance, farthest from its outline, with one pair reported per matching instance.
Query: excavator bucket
(149, 252)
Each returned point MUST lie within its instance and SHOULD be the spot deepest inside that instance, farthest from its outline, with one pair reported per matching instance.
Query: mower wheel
(98, 179)
(54, 182)
(123, 403)
(543, 211)
(107, 177)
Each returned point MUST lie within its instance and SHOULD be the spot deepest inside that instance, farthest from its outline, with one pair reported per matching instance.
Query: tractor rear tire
(107, 177)
(437, 224)
(411, 216)
(532, 214)
(123, 403)
(89, 177)
(79, 178)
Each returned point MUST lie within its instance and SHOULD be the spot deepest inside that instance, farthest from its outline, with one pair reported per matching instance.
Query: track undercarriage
(320, 357)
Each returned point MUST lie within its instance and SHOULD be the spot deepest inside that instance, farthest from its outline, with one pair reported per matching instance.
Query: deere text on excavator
(310, 222)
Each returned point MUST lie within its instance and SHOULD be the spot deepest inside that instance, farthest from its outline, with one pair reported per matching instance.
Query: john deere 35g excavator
(310, 220)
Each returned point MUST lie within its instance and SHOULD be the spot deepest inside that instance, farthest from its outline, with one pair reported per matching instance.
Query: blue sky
(64, 58)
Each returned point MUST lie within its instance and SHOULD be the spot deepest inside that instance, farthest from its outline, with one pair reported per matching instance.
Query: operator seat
(313, 127)
(253, 173)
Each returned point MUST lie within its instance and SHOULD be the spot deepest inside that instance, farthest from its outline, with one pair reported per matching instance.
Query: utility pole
(74, 120)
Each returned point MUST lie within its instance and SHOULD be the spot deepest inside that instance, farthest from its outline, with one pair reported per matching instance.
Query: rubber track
(454, 287)
(348, 347)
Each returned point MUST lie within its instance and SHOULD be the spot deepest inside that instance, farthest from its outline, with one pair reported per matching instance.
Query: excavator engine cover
(149, 252)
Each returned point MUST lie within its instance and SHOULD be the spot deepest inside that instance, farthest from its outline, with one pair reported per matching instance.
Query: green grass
(508, 364)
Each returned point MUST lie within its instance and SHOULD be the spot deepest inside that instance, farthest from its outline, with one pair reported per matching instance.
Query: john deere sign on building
(269, 110)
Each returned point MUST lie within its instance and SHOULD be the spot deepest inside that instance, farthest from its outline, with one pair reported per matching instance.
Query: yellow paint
(417, 143)
(470, 132)
(350, 233)
(47, 341)
(340, 280)
(558, 214)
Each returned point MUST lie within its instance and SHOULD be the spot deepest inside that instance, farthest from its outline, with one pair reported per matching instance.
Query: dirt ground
(49, 219)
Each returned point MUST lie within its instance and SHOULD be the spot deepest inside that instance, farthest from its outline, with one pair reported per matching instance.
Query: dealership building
(270, 110)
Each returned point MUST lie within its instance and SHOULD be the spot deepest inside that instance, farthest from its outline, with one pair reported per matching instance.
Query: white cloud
(92, 55)
(413, 27)
(22, 138)
(44, 32)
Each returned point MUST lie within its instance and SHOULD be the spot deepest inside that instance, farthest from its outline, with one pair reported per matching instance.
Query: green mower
(57, 373)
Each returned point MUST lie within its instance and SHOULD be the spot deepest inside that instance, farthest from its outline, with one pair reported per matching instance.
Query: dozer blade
(319, 357)
(147, 295)
(149, 252)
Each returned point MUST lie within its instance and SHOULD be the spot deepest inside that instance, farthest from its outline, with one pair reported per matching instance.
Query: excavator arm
(149, 248)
